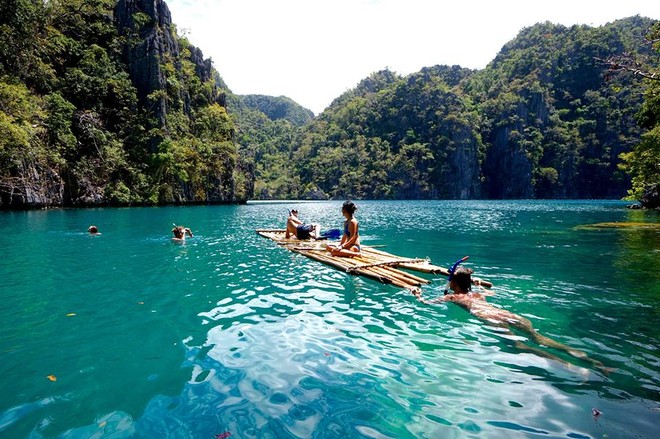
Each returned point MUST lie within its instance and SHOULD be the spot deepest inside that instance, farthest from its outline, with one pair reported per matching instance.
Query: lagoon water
(129, 334)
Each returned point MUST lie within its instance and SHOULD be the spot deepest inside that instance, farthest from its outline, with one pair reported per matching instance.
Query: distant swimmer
(460, 281)
(180, 233)
(93, 230)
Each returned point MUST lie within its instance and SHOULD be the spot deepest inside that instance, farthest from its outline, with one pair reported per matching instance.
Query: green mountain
(277, 108)
(542, 120)
(103, 103)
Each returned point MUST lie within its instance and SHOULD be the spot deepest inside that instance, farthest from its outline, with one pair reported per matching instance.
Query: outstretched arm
(417, 292)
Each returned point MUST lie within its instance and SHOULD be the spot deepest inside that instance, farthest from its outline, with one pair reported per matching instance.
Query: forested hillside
(277, 108)
(103, 103)
(542, 120)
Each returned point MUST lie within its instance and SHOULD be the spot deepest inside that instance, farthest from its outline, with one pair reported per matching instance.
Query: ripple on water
(276, 345)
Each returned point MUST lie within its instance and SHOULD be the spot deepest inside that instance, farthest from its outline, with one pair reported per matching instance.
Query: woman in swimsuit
(460, 283)
(349, 245)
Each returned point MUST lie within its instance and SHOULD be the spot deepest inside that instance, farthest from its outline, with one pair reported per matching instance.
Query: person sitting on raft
(349, 245)
(460, 282)
(180, 233)
(295, 227)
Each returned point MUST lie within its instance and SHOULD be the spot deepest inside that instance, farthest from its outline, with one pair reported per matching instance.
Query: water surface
(128, 334)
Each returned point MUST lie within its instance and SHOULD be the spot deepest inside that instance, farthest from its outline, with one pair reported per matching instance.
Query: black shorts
(303, 230)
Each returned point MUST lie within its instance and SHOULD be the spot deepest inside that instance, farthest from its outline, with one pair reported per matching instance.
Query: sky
(312, 51)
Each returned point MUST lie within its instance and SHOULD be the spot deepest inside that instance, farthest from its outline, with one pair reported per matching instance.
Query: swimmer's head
(462, 279)
(93, 230)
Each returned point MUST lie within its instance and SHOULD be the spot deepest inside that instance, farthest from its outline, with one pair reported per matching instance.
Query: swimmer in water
(460, 284)
(180, 233)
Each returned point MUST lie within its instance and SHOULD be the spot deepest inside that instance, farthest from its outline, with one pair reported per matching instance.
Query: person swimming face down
(475, 303)
(461, 282)
(180, 232)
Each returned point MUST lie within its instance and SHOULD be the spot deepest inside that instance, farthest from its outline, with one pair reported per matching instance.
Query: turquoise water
(228, 334)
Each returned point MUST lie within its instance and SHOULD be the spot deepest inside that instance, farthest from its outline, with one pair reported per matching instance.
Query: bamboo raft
(372, 263)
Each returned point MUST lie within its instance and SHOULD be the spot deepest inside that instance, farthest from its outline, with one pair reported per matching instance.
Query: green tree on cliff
(643, 162)
(79, 127)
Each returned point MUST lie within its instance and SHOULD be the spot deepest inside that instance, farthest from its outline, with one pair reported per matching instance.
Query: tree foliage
(74, 130)
(542, 120)
(643, 161)
(91, 114)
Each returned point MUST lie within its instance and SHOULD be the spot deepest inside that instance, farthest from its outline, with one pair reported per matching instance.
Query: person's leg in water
(525, 325)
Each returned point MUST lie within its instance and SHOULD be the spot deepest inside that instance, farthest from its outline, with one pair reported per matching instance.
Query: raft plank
(372, 263)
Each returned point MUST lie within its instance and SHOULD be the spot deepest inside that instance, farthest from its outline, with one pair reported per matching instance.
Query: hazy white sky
(314, 50)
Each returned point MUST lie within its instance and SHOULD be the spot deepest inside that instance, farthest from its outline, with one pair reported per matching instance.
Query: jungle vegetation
(102, 102)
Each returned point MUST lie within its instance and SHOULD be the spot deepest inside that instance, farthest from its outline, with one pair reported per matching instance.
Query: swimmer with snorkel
(460, 284)
(180, 233)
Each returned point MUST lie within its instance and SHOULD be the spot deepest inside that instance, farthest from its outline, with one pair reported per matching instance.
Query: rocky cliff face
(39, 187)
(508, 170)
(509, 160)
(149, 32)
(466, 175)
(147, 26)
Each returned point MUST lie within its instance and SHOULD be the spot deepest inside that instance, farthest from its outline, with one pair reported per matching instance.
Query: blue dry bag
(331, 234)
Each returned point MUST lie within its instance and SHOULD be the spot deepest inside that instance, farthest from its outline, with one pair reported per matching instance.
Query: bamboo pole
(368, 263)
(411, 276)
(372, 263)
(388, 271)
(337, 264)
(433, 269)
(395, 274)
(351, 265)
(389, 263)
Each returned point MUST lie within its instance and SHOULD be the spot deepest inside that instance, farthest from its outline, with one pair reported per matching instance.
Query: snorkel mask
(452, 270)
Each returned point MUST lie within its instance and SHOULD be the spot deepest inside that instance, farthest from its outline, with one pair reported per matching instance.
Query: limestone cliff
(147, 27)
(512, 154)
(151, 42)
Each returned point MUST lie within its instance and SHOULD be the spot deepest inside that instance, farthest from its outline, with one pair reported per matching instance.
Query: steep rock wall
(148, 42)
